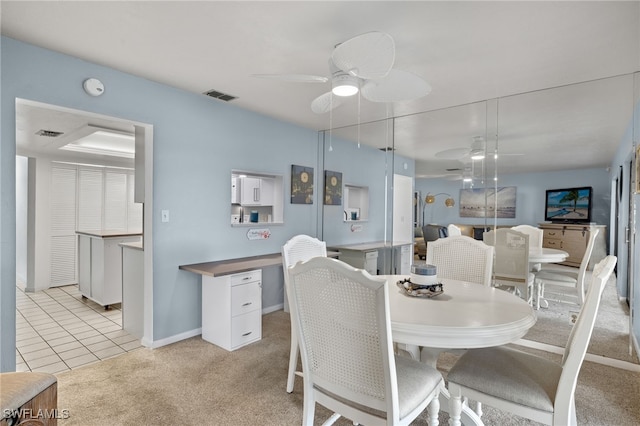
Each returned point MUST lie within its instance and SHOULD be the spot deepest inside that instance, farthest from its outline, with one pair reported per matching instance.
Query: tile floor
(58, 330)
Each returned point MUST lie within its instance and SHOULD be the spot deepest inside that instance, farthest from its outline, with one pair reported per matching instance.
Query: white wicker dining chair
(453, 230)
(511, 262)
(298, 248)
(569, 283)
(528, 385)
(344, 329)
(461, 258)
(536, 236)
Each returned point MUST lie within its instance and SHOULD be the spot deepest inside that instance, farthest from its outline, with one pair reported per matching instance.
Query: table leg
(468, 416)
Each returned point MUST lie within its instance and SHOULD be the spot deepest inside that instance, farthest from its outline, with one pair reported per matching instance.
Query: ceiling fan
(476, 151)
(362, 64)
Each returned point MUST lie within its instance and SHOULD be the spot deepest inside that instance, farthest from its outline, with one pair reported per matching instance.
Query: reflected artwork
(488, 202)
(332, 188)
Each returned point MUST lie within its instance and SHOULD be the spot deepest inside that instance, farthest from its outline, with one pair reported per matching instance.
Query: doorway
(55, 308)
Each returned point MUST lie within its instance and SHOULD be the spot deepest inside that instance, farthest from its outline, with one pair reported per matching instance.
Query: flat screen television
(568, 205)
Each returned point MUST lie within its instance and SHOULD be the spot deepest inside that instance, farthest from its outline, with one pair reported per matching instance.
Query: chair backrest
(511, 260)
(579, 338)
(299, 249)
(461, 258)
(433, 232)
(536, 235)
(453, 230)
(584, 263)
(342, 317)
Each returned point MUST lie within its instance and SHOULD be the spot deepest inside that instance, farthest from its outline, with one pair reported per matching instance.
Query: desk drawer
(246, 298)
(245, 329)
(246, 277)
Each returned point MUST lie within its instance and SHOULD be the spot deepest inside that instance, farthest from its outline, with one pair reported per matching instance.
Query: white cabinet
(361, 259)
(249, 191)
(232, 309)
(404, 254)
(100, 266)
(235, 190)
(256, 191)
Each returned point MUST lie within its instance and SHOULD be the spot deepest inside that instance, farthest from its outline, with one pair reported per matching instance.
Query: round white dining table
(464, 316)
(547, 255)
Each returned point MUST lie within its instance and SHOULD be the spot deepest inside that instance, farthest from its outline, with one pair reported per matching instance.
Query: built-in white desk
(232, 298)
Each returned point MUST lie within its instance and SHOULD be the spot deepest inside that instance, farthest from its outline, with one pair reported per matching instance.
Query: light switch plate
(165, 215)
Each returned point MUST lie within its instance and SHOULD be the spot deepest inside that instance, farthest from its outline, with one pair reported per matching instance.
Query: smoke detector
(93, 87)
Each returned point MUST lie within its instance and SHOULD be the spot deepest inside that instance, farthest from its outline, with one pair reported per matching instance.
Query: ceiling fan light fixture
(477, 148)
(344, 85)
(477, 154)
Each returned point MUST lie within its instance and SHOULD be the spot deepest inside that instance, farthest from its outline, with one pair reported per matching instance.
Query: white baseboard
(171, 339)
(195, 332)
(272, 308)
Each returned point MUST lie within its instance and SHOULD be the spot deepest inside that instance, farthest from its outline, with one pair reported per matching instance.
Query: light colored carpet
(193, 382)
(610, 334)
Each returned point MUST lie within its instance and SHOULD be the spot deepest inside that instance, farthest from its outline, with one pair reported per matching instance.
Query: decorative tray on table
(419, 290)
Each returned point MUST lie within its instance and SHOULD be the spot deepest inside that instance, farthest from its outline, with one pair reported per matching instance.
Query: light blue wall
(530, 196)
(197, 142)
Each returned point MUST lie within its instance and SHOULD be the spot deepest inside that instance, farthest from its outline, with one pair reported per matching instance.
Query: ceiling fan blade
(368, 55)
(326, 102)
(295, 78)
(452, 154)
(395, 87)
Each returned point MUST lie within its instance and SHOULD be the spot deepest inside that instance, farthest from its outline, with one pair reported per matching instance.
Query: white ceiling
(556, 76)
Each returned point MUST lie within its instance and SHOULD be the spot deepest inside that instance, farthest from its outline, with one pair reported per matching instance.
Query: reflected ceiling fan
(363, 63)
(472, 153)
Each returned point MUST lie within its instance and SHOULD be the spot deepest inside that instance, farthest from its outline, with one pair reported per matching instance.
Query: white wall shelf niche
(259, 193)
(356, 203)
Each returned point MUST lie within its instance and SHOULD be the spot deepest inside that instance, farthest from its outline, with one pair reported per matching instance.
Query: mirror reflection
(477, 167)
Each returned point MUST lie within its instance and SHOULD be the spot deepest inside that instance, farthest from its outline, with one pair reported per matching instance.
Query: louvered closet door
(63, 226)
(115, 201)
(90, 199)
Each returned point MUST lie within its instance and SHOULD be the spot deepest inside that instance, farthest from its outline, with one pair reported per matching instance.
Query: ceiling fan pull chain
(358, 120)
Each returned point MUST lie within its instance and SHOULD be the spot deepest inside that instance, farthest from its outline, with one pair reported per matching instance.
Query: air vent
(387, 149)
(48, 133)
(220, 95)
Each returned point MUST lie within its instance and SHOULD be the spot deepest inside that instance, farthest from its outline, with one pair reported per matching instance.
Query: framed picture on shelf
(487, 202)
(301, 184)
(332, 188)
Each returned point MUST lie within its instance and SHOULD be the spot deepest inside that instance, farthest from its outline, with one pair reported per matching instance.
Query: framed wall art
(487, 202)
(332, 188)
(301, 184)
